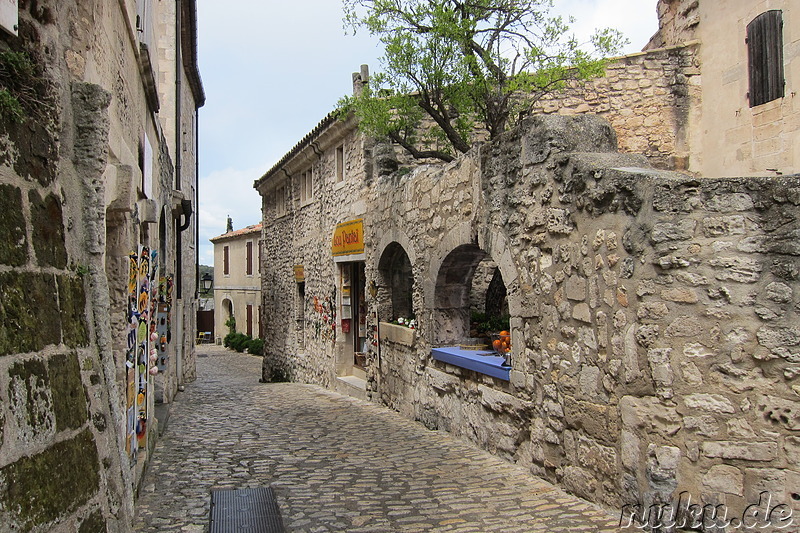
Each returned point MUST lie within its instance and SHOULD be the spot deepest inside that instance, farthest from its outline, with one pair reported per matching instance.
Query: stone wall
(649, 99)
(61, 464)
(653, 316)
(300, 328)
(73, 198)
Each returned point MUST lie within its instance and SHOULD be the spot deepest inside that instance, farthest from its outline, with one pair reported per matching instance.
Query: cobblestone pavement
(336, 464)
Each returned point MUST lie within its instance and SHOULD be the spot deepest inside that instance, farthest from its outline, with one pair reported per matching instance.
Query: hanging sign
(9, 16)
(299, 274)
(348, 238)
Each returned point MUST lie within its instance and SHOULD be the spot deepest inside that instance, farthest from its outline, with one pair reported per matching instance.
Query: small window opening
(340, 163)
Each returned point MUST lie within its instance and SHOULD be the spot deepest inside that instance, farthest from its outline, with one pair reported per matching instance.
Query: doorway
(354, 314)
(359, 317)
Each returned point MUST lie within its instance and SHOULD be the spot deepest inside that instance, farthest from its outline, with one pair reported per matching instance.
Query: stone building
(714, 93)
(237, 281)
(652, 314)
(98, 156)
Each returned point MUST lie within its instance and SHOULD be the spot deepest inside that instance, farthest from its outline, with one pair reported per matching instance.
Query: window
(226, 261)
(340, 163)
(280, 202)
(765, 57)
(249, 253)
(306, 187)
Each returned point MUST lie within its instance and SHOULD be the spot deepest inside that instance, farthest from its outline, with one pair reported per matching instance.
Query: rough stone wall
(71, 183)
(678, 21)
(653, 316)
(302, 332)
(61, 464)
(648, 98)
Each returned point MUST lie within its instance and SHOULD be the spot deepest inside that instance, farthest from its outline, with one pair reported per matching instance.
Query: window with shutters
(765, 57)
(249, 252)
(226, 261)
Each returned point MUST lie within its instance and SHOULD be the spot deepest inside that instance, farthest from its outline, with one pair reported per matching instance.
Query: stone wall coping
(399, 334)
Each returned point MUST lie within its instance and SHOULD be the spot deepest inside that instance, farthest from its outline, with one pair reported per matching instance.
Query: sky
(272, 70)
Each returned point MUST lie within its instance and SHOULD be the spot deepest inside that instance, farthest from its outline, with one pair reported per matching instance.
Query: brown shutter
(765, 57)
(225, 261)
(249, 258)
(250, 320)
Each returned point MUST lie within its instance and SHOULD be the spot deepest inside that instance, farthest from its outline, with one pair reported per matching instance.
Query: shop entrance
(354, 311)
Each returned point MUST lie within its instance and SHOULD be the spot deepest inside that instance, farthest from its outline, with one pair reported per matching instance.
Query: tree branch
(419, 154)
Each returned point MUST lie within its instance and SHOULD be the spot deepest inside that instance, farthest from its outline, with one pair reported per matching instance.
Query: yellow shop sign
(299, 274)
(348, 238)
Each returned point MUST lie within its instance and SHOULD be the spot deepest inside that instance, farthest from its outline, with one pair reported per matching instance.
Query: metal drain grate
(245, 510)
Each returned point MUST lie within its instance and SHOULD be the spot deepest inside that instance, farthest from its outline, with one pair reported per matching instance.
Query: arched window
(398, 283)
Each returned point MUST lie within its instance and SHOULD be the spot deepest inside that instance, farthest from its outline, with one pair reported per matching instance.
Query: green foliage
(241, 342)
(23, 90)
(10, 108)
(231, 324)
(256, 347)
(464, 63)
(484, 323)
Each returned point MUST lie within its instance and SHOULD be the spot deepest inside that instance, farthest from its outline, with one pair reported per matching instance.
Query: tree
(464, 64)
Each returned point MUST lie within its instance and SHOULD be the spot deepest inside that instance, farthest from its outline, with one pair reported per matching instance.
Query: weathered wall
(649, 98)
(653, 317)
(71, 172)
(62, 466)
(653, 314)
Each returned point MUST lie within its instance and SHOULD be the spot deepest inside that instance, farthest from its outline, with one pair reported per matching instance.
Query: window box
(482, 361)
(397, 334)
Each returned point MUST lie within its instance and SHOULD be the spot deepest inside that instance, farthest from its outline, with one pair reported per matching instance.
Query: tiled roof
(255, 228)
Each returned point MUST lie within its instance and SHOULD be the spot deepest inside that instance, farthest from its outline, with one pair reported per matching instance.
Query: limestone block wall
(649, 98)
(62, 463)
(653, 316)
(303, 333)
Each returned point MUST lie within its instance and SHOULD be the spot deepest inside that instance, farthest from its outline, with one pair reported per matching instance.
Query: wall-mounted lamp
(206, 282)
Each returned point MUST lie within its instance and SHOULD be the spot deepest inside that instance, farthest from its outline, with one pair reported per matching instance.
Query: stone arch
(452, 269)
(395, 283)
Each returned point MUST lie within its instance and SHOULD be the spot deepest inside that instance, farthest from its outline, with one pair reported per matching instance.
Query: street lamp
(206, 282)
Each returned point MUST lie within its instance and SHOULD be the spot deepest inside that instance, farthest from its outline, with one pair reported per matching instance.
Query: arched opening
(228, 316)
(488, 301)
(397, 281)
(470, 299)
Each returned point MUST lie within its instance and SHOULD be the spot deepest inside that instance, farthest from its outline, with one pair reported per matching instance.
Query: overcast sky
(273, 69)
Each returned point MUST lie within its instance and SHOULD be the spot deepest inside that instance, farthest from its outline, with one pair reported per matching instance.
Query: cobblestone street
(335, 463)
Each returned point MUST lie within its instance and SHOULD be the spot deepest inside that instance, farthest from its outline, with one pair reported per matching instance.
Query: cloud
(224, 193)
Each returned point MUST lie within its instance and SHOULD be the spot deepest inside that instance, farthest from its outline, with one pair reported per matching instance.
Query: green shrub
(256, 347)
(484, 323)
(239, 341)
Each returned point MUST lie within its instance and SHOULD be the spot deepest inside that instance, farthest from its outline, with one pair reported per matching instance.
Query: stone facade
(652, 313)
(87, 177)
(239, 287)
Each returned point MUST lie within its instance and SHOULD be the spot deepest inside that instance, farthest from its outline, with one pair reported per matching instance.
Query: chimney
(360, 79)
(229, 227)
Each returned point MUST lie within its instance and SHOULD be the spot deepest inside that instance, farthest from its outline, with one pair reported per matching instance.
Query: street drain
(245, 510)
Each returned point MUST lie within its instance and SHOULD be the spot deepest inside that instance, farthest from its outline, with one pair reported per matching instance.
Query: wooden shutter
(765, 57)
(250, 320)
(225, 261)
(249, 258)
